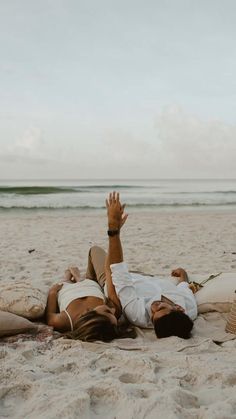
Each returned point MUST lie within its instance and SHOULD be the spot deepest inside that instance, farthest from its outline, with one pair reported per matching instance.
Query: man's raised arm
(116, 218)
(121, 279)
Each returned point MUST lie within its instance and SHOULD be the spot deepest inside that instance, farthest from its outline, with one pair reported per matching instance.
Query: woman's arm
(57, 320)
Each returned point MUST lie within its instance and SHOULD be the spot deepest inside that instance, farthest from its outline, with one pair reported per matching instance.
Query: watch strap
(112, 233)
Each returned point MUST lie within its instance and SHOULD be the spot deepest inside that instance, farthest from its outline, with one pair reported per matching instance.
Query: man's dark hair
(176, 323)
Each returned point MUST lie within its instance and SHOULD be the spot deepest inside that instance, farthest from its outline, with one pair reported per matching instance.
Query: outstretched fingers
(113, 198)
(115, 210)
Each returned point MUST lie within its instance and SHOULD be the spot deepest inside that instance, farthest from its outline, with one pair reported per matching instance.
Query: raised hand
(115, 211)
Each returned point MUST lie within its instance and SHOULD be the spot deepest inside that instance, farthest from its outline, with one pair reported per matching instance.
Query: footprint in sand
(185, 398)
(130, 378)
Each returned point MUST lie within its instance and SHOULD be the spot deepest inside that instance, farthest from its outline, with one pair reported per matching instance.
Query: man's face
(162, 308)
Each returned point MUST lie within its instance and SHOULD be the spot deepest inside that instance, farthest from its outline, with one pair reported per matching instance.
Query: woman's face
(108, 312)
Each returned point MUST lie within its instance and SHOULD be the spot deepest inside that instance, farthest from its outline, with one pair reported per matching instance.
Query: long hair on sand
(94, 326)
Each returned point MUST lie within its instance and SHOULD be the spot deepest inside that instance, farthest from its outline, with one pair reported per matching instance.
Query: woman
(83, 308)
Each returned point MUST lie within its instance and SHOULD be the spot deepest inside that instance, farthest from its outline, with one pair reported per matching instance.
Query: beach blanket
(209, 327)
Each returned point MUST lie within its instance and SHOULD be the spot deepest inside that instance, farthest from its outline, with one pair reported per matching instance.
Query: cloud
(192, 147)
(29, 143)
(127, 153)
(23, 160)
(27, 156)
(181, 145)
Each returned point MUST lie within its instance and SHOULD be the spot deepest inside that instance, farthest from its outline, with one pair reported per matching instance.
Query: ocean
(89, 195)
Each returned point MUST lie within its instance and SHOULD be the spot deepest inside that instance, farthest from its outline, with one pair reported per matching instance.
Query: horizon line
(107, 180)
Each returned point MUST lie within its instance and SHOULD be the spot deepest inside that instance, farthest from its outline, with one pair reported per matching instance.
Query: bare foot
(68, 276)
(75, 272)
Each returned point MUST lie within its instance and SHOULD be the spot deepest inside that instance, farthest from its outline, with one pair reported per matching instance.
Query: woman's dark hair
(94, 326)
(176, 323)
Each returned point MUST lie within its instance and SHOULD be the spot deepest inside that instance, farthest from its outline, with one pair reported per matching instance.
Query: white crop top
(70, 292)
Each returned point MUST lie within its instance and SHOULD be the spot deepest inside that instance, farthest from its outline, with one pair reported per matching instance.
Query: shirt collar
(149, 303)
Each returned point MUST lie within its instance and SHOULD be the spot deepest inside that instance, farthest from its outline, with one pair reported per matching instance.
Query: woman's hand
(55, 288)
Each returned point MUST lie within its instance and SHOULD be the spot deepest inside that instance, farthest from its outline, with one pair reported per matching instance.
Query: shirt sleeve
(190, 299)
(133, 306)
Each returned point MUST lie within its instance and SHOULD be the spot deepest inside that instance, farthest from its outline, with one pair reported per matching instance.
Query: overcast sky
(117, 89)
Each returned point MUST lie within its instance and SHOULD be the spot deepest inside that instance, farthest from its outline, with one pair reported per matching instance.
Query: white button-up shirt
(137, 292)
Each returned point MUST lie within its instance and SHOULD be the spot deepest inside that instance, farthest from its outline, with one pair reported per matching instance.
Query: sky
(114, 89)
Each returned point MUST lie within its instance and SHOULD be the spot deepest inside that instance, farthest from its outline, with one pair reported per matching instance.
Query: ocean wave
(93, 188)
(34, 190)
(225, 192)
(202, 192)
(48, 207)
(46, 190)
(182, 204)
(101, 207)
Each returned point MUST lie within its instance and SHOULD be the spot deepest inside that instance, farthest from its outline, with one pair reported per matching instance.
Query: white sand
(144, 378)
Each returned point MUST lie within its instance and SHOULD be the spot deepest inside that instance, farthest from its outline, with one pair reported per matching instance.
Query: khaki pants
(96, 265)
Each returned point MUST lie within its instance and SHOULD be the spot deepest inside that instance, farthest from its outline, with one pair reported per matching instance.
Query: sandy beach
(100, 98)
(142, 378)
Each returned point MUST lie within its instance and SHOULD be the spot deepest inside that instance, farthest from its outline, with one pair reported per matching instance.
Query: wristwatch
(112, 233)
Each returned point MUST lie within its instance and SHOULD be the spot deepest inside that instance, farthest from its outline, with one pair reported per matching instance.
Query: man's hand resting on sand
(181, 274)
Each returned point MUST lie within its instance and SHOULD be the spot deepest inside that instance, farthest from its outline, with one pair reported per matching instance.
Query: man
(147, 301)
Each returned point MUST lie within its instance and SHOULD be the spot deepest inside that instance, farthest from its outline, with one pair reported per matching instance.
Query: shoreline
(68, 212)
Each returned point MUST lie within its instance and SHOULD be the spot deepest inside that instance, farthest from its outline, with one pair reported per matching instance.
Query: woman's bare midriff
(81, 306)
